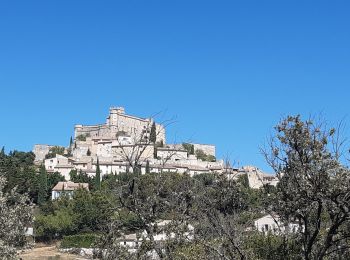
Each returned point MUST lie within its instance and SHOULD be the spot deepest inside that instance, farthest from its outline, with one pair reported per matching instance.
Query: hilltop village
(126, 143)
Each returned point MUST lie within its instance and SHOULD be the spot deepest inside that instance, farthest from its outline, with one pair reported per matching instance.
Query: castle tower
(113, 115)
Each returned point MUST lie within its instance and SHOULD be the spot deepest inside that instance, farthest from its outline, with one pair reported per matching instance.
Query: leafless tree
(141, 148)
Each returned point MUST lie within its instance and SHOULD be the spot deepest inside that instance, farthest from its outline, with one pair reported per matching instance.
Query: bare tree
(217, 217)
(152, 198)
(139, 147)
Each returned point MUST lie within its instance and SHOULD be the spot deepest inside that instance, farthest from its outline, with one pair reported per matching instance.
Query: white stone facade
(118, 123)
(59, 164)
(273, 224)
(257, 178)
(206, 148)
(124, 140)
(40, 150)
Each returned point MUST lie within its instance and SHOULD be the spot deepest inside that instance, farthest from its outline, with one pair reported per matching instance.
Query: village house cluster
(124, 142)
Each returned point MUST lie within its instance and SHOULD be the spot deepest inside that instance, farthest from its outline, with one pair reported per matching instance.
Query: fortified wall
(118, 123)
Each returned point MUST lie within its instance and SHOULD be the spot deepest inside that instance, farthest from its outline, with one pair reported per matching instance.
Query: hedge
(79, 241)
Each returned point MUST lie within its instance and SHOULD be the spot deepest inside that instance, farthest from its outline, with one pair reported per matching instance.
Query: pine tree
(2, 153)
(153, 134)
(98, 176)
(42, 189)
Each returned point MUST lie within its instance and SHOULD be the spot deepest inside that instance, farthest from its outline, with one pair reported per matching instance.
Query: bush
(205, 157)
(188, 147)
(82, 137)
(61, 222)
(270, 246)
(54, 151)
(79, 241)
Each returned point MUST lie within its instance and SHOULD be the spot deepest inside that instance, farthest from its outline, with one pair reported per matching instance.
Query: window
(266, 227)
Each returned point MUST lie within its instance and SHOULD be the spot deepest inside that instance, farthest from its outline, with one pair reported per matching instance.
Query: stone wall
(40, 150)
(206, 148)
(118, 121)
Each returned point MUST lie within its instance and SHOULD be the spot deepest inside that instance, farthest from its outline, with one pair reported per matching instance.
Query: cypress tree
(70, 141)
(147, 167)
(155, 152)
(42, 189)
(192, 149)
(2, 153)
(98, 176)
(153, 134)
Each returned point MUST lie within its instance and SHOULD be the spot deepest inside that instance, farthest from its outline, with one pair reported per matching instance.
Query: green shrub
(82, 137)
(205, 157)
(61, 222)
(188, 147)
(79, 241)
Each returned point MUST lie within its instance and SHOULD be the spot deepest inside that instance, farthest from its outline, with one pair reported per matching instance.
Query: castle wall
(82, 148)
(40, 150)
(118, 121)
(171, 155)
(206, 148)
(104, 149)
(123, 152)
(114, 148)
(93, 131)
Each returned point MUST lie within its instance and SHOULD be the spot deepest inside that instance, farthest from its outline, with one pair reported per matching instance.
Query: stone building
(271, 223)
(257, 178)
(67, 188)
(123, 142)
(120, 124)
(41, 150)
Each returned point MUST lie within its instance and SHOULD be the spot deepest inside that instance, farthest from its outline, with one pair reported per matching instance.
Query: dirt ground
(45, 252)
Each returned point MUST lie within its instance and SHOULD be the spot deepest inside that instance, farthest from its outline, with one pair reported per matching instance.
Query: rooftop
(70, 186)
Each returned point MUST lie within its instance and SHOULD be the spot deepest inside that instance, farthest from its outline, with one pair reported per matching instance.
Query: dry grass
(45, 252)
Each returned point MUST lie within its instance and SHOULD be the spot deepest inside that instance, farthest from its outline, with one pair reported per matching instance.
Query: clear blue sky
(228, 70)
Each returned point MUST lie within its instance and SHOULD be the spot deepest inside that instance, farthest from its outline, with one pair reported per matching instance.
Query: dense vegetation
(314, 191)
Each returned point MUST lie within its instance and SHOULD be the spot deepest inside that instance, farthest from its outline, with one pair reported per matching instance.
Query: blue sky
(227, 70)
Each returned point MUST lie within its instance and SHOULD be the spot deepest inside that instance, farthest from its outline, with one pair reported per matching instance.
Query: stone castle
(126, 142)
